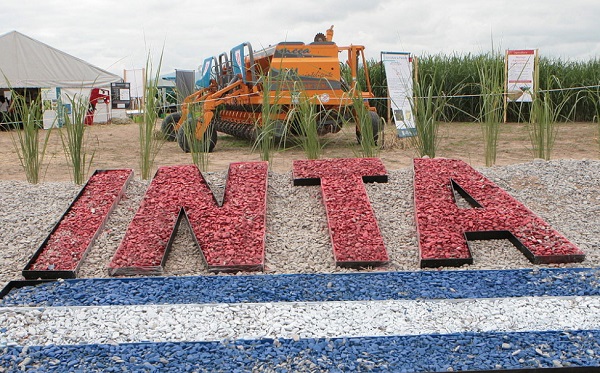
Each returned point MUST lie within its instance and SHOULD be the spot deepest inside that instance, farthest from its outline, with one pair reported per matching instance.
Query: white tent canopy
(28, 63)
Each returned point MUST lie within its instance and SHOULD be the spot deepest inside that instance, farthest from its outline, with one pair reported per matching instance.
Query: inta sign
(231, 235)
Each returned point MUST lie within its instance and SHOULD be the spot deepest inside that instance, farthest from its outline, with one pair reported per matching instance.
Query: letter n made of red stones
(231, 236)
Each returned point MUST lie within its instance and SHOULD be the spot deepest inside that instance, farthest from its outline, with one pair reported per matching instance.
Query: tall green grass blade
(593, 96)
(271, 132)
(428, 108)
(304, 117)
(491, 77)
(199, 148)
(368, 127)
(74, 140)
(26, 139)
(149, 141)
(546, 111)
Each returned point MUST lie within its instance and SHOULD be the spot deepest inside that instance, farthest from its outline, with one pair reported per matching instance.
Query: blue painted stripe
(425, 353)
(310, 287)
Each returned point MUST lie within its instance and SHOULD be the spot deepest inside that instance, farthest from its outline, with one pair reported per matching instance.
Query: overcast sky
(117, 35)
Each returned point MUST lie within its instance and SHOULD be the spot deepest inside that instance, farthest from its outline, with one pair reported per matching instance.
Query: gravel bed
(565, 193)
(297, 320)
(558, 282)
(424, 353)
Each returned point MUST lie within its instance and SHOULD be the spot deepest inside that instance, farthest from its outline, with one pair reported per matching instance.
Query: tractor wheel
(168, 126)
(376, 127)
(210, 135)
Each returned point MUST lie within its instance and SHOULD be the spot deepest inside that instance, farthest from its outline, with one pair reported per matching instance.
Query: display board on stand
(399, 74)
(120, 95)
(521, 67)
(52, 107)
(137, 87)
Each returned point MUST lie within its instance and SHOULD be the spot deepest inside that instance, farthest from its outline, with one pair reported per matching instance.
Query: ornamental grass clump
(305, 115)
(271, 131)
(150, 143)
(491, 77)
(427, 107)
(26, 137)
(74, 140)
(594, 97)
(199, 148)
(546, 112)
(369, 124)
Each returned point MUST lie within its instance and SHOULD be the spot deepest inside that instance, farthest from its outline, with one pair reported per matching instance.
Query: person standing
(3, 111)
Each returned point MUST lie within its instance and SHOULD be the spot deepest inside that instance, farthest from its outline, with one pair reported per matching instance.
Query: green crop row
(457, 76)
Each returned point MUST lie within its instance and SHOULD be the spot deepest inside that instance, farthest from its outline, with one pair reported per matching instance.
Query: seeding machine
(236, 85)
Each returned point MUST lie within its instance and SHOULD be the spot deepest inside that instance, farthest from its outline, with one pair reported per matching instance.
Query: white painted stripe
(210, 322)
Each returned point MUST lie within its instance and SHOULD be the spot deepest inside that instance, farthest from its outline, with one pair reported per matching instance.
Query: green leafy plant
(26, 139)
(491, 83)
(546, 112)
(150, 143)
(593, 96)
(271, 132)
(368, 125)
(304, 116)
(199, 149)
(74, 140)
(427, 109)
(598, 130)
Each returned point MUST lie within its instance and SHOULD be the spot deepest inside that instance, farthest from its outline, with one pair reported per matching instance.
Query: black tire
(168, 126)
(210, 135)
(376, 127)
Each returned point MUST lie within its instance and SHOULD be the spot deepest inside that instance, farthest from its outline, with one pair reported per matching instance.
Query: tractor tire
(210, 135)
(168, 126)
(376, 127)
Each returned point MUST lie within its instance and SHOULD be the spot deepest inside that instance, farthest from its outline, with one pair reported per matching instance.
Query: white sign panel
(124, 95)
(399, 73)
(137, 80)
(520, 67)
(49, 94)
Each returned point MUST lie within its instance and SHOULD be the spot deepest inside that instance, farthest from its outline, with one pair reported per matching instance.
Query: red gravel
(355, 235)
(66, 246)
(231, 237)
(441, 224)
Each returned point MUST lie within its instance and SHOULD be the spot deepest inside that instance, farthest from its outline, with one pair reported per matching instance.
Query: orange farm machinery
(236, 85)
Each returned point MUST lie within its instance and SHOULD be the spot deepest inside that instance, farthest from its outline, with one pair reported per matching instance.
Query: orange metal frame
(240, 93)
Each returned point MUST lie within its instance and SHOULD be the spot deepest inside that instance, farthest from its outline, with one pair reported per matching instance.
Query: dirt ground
(116, 146)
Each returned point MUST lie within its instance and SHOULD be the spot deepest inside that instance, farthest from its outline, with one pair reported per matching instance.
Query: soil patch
(116, 146)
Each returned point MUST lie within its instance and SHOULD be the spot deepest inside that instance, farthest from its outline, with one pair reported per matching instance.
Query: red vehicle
(98, 95)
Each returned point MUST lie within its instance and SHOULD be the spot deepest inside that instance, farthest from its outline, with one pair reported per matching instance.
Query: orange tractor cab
(235, 86)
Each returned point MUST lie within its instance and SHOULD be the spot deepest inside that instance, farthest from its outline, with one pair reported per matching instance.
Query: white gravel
(563, 192)
(214, 322)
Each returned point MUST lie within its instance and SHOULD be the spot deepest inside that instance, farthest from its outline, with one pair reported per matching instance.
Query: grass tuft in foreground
(368, 126)
(199, 148)
(427, 109)
(26, 137)
(305, 115)
(491, 77)
(271, 131)
(545, 114)
(74, 140)
(150, 144)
